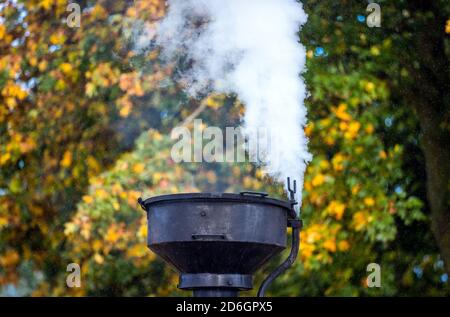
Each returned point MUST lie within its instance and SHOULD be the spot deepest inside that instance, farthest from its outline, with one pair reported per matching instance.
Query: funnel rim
(215, 197)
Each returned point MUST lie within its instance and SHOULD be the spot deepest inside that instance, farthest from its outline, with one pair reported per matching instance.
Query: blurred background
(85, 125)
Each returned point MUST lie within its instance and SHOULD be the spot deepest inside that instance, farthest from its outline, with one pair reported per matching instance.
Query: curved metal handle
(296, 225)
(141, 203)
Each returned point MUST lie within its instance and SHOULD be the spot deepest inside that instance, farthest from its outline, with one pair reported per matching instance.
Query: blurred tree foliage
(84, 130)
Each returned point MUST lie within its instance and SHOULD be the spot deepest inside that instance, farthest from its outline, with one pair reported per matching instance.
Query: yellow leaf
(356, 189)
(10, 258)
(88, 199)
(33, 61)
(93, 164)
(318, 180)
(329, 140)
(69, 228)
(370, 128)
(336, 209)
(90, 89)
(67, 159)
(213, 102)
(142, 233)
(132, 197)
(309, 129)
(352, 131)
(60, 85)
(112, 235)
(308, 186)
(98, 258)
(98, 12)
(57, 38)
(354, 127)
(360, 220)
(259, 173)
(46, 4)
(125, 110)
(330, 245)
(96, 245)
(341, 113)
(138, 250)
(116, 205)
(3, 222)
(2, 31)
(4, 158)
(369, 201)
(101, 193)
(343, 245)
(343, 126)
(369, 87)
(11, 102)
(66, 68)
(157, 177)
(117, 189)
(138, 168)
(157, 136)
(43, 65)
(307, 250)
(375, 51)
(338, 162)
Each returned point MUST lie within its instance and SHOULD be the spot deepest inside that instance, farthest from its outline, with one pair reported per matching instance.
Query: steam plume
(250, 48)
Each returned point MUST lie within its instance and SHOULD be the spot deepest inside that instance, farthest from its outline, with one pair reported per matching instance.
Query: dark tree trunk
(430, 97)
(436, 145)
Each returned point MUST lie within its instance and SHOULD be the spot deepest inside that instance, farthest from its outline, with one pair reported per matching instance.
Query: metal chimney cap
(243, 197)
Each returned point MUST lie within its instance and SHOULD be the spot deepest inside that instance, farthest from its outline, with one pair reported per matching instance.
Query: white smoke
(250, 48)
